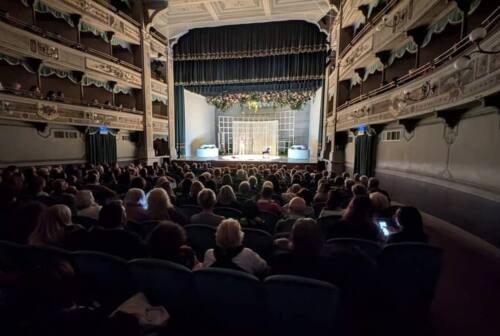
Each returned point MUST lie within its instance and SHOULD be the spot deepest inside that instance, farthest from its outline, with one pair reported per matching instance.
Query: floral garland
(256, 100)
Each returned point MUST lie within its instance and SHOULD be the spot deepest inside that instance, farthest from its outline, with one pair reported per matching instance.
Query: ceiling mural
(182, 15)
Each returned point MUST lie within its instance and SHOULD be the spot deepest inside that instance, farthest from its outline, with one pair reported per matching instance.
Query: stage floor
(255, 159)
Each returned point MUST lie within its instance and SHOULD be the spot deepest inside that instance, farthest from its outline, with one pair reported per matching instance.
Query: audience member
(160, 208)
(86, 205)
(134, 202)
(230, 252)
(168, 241)
(251, 217)
(333, 205)
(410, 222)
(266, 202)
(207, 201)
(227, 198)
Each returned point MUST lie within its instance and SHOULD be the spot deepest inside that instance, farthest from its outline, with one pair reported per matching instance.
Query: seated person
(227, 198)
(373, 186)
(301, 254)
(207, 201)
(357, 222)
(134, 206)
(267, 203)
(381, 205)
(109, 236)
(230, 252)
(86, 205)
(160, 208)
(251, 217)
(168, 241)
(412, 230)
(333, 206)
(322, 192)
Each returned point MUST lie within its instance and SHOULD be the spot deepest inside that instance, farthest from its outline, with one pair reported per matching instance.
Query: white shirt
(246, 259)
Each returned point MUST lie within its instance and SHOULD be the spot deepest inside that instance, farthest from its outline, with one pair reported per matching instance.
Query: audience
(160, 208)
(227, 198)
(86, 205)
(251, 217)
(230, 252)
(333, 205)
(266, 202)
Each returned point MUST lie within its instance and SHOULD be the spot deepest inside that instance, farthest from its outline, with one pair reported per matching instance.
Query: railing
(367, 27)
(489, 23)
(58, 38)
(120, 13)
(64, 100)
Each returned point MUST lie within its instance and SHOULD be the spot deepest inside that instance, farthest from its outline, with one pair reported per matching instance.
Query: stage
(231, 160)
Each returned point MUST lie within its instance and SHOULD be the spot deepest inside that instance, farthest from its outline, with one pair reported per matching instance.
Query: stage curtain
(365, 154)
(180, 137)
(294, 67)
(250, 40)
(101, 148)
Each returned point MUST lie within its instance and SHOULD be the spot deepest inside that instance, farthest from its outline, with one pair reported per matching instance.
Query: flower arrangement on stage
(257, 100)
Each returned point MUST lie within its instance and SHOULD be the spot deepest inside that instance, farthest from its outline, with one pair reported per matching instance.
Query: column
(147, 152)
(171, 102)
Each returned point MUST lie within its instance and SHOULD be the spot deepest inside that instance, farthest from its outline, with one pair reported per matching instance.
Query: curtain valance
(46, 71)
(42, 7)
(454, 16)
(88, 28)
(159, 99)
(11, 60)
(371, 69)
(250, 40)
(251, 70)
(210, 90)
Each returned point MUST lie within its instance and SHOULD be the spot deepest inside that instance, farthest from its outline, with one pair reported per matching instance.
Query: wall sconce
(425, 92)
(389, 22)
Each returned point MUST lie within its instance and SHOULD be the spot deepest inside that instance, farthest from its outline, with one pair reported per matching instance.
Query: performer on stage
(242, 147)
(266, 152)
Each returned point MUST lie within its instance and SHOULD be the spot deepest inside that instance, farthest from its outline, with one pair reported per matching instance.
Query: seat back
(367, 247)
(84, 221)
(270, 219)
(327, 222)
(189, 210)
(230, 298)
(39, 255)
(409, 273)
(11, 256)
(259, 241)
(318, 207)
(285, 225)
(105, 278)
(165, 283)
(300, 306)
(228, 212)
(144, 228)
(200, 238)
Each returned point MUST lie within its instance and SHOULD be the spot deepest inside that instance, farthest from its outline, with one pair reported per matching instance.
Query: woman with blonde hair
(227, 198)
(160, 208)
(52, 229)
(230, 252)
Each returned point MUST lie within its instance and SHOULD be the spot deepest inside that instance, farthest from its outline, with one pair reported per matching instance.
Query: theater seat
(409, 273)
(167, 284)
(301, 306)
(11, 256)
(317, 208)
(230, 298)
(84, 221)
(105, 278)
(285, 225)
(189, 210)
(259, 241)
(326, 223)
(228, 212)
(367, 247)
(144, 228)
(200, 238)
(39, 255)
(270, 219)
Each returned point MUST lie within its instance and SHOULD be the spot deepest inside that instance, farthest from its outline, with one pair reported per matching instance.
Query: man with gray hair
(207, 201)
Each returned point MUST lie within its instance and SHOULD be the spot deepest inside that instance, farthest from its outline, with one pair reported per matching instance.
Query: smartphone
(384, 227)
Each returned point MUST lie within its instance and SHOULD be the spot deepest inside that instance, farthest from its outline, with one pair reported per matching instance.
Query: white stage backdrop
(253, 137)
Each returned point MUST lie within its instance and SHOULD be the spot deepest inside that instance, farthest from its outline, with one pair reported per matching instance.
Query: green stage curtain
(250, 40)
(365, 154)
(180, 137)
(293, 67)
(101, 148)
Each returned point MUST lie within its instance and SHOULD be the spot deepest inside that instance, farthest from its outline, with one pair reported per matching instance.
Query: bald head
(297, 205)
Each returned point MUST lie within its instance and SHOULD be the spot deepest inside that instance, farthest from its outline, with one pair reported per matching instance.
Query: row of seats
(218, 297)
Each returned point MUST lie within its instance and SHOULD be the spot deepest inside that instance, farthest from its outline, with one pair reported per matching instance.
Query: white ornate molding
(20, 108)
(451, 88)
(25, 44)
(101, 17)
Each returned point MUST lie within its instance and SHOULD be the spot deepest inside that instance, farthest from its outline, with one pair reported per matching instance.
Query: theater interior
(250, 167)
